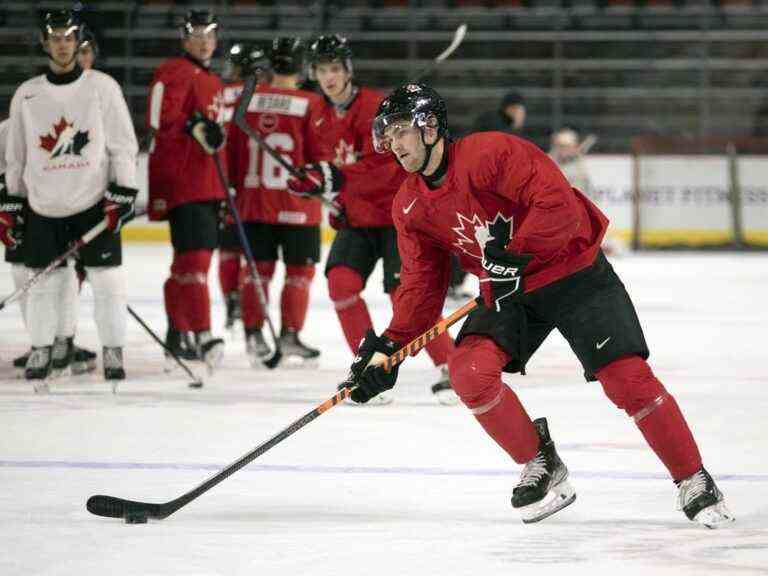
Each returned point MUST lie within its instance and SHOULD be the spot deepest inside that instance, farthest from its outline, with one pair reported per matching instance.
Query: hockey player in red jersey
(242, 60)
(185, 104)
(506, 210)
(274, 219)
(364, 184)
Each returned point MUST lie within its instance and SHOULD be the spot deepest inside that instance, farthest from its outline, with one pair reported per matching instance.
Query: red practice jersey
(371, 180)
(282, 117)
(179, 170)
(231, 93)
(490, 176)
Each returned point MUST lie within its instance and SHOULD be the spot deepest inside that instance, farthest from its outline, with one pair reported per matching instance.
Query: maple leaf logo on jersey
(473, 234)
(345, 153)
(64, 139)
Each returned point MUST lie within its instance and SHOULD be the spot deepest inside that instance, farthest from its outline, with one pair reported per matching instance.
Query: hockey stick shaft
(458, 38)
(261, 294)
(113, 507)
(157, 339)
(79, 243)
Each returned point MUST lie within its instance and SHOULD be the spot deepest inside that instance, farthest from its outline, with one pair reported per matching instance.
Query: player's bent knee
(475, 371)
(344, 283)
(631, 385)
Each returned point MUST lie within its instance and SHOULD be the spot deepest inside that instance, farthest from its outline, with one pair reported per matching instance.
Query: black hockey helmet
(88, 38)
(65, 19)
(286, 55)
(249, 57)
(413, 104)
(199, 18)
(331, 48)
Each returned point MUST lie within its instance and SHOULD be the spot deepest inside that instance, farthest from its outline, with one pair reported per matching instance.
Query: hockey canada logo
(64, 140)
(345, 153)
(473, 234)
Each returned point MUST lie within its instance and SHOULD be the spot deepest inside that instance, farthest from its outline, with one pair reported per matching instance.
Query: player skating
(364, 184)
(277, 222)
(503, 206)
(70, 130)
(185, 105)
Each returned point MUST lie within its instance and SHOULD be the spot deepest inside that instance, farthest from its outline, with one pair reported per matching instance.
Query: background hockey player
(364, 184)
(502, 205)
(71, 130)
(242, 60)
(277, 222)
(185, 110)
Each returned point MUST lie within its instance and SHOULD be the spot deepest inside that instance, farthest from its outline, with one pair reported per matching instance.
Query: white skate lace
(534, 471)
(690, 489)
(113, 358)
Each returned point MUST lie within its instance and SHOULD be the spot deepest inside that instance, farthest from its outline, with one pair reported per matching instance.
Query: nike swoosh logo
(603, 343)
(408, 208)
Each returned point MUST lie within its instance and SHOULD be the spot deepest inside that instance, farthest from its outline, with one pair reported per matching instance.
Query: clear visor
(208, 31)
(388, 126)
(60, 33)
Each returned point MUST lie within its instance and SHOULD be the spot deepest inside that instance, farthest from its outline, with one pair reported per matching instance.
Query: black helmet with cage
(204, 19)
(413, 104)
(286, 55)
(330, 48)
(249, 58)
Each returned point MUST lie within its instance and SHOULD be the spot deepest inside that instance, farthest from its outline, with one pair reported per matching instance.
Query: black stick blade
(112, 507)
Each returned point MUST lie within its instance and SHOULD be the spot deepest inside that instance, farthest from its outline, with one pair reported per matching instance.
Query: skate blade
(556, 499)
(715, 516)
(214, 358)
(294, 362)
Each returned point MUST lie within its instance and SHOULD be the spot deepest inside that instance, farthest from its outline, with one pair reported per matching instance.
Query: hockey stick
(197, 382)
(138, 512)
(458, 38)
(277, 354)
(79, 243)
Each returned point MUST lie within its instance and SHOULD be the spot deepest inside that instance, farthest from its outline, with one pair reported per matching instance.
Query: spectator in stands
(509, 118)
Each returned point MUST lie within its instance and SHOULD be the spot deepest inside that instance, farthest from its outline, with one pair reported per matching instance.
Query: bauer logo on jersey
(472, 234)
(64, 139)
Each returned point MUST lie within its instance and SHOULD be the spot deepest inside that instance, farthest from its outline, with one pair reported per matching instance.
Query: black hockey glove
(370, 378)
(323, 180)
(11, 218)
(119, 206)
(208, 133)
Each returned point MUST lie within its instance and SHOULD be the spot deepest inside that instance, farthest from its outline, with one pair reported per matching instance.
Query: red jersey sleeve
(551, 211)
(168, 95)
(424, 278)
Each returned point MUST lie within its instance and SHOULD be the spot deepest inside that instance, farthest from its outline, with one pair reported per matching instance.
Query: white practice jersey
(3, 134)
(67, 142)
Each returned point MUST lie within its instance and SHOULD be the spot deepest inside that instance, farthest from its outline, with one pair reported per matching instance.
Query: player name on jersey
(279, 104)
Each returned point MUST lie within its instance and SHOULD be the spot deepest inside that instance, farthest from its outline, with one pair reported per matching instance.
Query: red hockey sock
(229, 270)
(439, 348)
(172, 297)
(253, 314)
(295, 296)
(475, 369)
(632, 386)
(192, 307)
(344, 287)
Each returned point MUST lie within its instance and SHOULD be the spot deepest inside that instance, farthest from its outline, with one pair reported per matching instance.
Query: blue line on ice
(315, 469)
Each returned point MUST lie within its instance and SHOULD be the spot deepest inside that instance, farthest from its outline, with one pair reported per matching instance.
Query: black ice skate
(181, 346)
(112, 358)
(83, 361)
(63, 353)
(210, 349)
(702, 501)
(39, 367)
(234, 309)
(21, 361)
(256, 347)
(543, 488)
(295, 351)
(442, 389)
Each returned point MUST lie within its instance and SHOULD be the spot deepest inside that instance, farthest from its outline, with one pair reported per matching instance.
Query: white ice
(410, 488)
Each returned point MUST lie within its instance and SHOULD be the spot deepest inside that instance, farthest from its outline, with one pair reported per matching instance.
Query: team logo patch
(345, 153)
(267, 122)
(64, 139)
(472, 234)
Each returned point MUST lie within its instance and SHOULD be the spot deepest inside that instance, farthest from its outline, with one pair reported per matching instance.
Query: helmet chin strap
(440, 171)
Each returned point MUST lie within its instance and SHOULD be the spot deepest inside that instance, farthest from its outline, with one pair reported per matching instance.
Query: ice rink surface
(412, 488)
